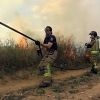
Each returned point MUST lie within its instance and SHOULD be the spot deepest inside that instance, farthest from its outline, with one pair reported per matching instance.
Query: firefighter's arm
(47, 45)
(50, 42)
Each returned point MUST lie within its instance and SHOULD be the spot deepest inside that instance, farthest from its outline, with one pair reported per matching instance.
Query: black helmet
(49, 28)
(94, 33)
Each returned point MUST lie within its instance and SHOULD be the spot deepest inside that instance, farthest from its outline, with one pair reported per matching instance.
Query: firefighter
(94, 51)
(50, 44)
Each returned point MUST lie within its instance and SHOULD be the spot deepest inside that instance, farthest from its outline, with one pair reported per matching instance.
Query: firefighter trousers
(45, 65)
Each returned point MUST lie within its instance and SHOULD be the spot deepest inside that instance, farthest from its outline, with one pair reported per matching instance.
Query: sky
(68, 17)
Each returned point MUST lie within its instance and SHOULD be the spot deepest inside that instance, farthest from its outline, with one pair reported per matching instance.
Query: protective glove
(37, 42)
(89, 45)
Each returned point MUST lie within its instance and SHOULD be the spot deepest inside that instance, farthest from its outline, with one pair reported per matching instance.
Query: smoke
(70, 17)
(77, 17)
(24, 27)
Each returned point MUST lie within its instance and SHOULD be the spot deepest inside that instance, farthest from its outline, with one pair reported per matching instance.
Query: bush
(70, 54)
(13, 57)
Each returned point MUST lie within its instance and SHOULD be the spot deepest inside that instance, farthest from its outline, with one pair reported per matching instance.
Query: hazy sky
(77, 17)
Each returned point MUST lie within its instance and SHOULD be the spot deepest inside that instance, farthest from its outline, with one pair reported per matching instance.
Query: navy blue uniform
(52, 39)
(47, 61)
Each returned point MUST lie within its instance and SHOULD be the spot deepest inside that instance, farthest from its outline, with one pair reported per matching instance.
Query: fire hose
(39, 52)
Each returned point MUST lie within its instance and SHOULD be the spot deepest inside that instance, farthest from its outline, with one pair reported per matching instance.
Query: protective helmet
(49, 28)
(94, 33)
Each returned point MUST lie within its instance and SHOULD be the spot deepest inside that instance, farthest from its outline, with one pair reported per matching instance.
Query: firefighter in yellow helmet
(94, 51)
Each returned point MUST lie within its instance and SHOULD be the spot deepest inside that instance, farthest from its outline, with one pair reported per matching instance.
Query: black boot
(45, 84)
(95, 71)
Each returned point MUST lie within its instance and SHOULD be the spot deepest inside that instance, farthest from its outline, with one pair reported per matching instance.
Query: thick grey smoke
(77, 17)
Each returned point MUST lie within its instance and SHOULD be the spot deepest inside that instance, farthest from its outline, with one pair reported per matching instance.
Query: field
(72, 80)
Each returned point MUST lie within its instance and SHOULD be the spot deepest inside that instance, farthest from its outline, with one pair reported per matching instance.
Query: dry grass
(13, 57)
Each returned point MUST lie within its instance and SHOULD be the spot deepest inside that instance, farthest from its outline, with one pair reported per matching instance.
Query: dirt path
(88, 94)
(14, 85)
